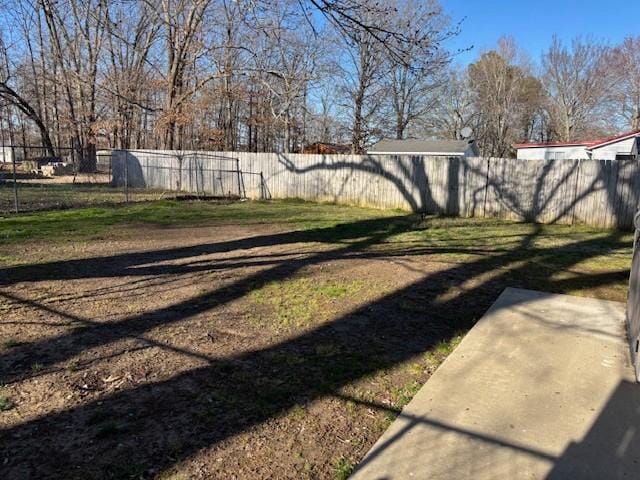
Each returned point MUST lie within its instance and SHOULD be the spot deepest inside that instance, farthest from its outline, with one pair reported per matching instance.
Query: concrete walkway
(540, 388)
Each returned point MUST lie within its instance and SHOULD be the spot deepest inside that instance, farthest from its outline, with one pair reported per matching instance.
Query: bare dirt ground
(235, 352)
(191, 369)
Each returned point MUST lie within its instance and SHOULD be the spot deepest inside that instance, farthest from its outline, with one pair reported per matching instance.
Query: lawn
(60, 193)
(175, 339)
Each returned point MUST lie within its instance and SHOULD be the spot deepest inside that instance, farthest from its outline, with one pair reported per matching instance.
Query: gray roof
(422, 146)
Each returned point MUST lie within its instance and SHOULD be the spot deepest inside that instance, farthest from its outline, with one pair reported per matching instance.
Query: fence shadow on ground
(600, 193)
(157, 425)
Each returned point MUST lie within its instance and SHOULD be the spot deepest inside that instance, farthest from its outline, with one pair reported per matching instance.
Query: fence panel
(200, 173)
(35, 178)
(593, 192)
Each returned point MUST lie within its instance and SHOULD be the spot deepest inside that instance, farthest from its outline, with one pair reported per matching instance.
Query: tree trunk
(88, 161)
(21, 104)
(357, 134)
(399, 127)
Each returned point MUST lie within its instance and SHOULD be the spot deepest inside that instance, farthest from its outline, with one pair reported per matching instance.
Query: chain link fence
(33, 180)
(186, 175)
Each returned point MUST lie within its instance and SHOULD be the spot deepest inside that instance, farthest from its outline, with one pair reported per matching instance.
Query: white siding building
(625, 146)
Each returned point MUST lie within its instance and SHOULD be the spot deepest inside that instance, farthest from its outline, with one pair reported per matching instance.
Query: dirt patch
(223, 352)
(208, 352)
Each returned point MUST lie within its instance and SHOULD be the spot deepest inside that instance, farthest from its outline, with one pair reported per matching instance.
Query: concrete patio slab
(541, 387)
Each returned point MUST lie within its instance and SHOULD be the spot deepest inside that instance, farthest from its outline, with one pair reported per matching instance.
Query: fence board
(597, 193)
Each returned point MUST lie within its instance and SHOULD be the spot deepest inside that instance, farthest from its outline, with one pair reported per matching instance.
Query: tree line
(276, 75)
(581, 91)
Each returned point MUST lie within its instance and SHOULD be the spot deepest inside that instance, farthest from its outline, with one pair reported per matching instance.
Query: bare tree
(125, 83)
(77, 32)
(288, 63)
(362, 71)
(578, 84)
(11, 96)
(183, 44)
(454, 109)
(497, 83)
(15, 91)
(232, 41)
(412, 82)
(234, 74)
(624, 62)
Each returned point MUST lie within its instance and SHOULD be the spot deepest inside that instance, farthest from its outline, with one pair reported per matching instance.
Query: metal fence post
(15, 182)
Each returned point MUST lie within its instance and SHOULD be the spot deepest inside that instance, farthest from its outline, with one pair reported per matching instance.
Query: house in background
(435, 148)
(621, 147)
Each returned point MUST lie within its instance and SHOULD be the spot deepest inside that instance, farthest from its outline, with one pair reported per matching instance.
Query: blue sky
(533, 22)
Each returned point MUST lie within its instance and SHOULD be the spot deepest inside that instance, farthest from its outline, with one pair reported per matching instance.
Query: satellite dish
(466, 132)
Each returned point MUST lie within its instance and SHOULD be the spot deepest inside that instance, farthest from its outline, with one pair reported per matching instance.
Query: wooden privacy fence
(601, 193)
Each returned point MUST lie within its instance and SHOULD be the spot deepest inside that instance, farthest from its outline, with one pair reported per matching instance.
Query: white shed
(552, 151)
(620, 147)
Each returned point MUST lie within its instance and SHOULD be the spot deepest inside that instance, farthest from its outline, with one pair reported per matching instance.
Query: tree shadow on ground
(154, 426)
(601, 193)
(608, 449)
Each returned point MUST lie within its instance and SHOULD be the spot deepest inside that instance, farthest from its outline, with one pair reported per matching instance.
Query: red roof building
(620, 147)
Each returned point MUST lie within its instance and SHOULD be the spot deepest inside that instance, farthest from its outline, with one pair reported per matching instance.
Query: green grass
(72, 366)
(441, 350)
(36, 368)
(85, 223)
(403, 394)
(555, 254)
(10, 343)
(299, 302)
(471, 237)
(5, 404)
(47, 195)
(342, 469)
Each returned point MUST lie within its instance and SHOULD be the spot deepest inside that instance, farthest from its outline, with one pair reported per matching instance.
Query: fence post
(238, 173)
(194, 167)
(262, 192)
(126, 178)
(15, 182)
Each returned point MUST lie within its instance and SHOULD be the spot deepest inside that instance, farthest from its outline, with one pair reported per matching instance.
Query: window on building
(556, 155)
